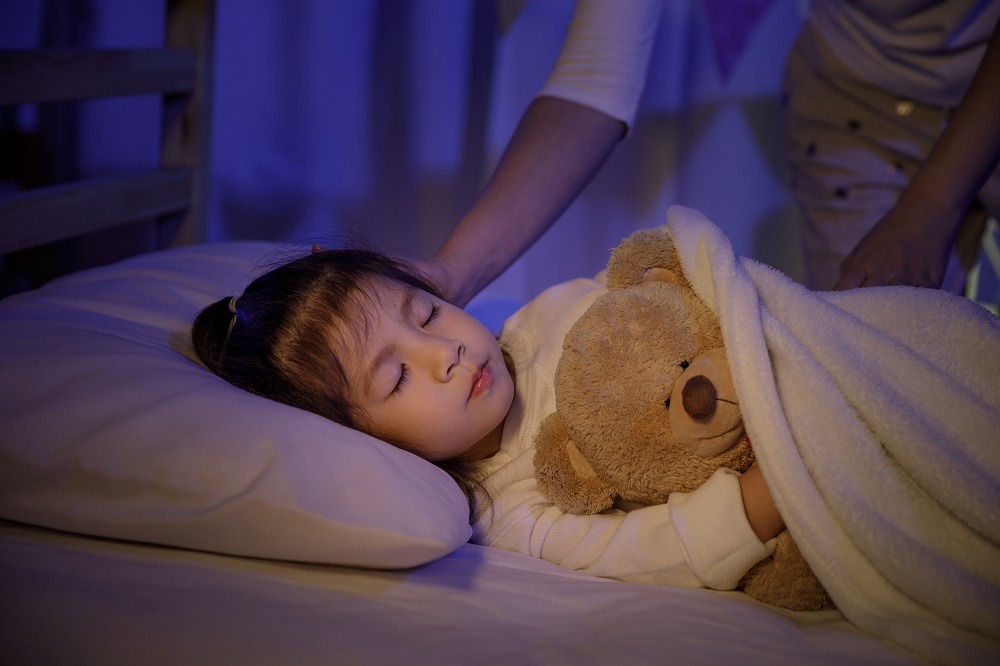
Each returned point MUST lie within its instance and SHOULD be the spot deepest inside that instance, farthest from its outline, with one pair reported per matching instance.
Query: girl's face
(430, 375)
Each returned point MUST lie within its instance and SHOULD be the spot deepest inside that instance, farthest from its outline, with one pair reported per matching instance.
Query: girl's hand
(759, 505)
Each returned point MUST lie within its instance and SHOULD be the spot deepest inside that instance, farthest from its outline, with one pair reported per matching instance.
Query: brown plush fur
(613, 436)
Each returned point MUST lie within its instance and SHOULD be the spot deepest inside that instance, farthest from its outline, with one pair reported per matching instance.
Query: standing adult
(893, 133)
(590, 99)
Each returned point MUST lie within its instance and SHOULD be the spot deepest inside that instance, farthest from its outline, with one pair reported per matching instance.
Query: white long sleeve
(604, 58)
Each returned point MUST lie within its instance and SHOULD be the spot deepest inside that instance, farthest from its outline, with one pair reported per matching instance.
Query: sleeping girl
(366, 341)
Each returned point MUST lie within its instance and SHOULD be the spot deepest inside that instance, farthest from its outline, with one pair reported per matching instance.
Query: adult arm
(563, 138)
(556, 149)
(911, 243)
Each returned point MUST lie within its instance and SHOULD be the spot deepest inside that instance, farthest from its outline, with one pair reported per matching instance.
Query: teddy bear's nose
(699, 397)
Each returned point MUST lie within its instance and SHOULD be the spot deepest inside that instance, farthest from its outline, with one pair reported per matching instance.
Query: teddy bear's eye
(684, 365)
(666, 403)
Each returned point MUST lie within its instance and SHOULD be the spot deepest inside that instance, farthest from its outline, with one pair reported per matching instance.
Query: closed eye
(404, 375)
(435, 311)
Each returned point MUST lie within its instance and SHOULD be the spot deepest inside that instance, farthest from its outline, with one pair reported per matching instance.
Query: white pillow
(109, 427)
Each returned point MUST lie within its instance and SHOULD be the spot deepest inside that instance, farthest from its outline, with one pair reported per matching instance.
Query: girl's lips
(481, 382)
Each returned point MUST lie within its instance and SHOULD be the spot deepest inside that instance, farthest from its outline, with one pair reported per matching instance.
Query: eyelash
(403, 376)
(435, 311)
(405, 372)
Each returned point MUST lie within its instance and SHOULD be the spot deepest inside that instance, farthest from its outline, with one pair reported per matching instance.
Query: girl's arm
(759, 506)
(697, 539)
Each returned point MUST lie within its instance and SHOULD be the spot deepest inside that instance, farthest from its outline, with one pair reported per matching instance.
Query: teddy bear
(646, 406)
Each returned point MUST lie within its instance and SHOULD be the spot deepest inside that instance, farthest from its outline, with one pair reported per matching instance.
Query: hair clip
(232, 320)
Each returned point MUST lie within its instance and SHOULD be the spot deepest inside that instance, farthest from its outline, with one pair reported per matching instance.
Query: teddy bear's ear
(638, 257)
(564, 475)
(659, 274)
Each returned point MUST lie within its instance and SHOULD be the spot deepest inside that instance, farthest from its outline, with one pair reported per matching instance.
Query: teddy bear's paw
(564, 475)
(784, 579)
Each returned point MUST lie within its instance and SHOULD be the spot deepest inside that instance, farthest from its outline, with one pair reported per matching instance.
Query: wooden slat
(47, 214)
(53, 76)
(190, 25)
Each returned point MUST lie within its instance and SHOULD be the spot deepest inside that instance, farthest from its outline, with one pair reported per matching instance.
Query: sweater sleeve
(603, 60)
(697, 539)
(713, 529)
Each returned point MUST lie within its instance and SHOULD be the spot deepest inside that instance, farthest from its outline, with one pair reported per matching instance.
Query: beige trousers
(852, 149)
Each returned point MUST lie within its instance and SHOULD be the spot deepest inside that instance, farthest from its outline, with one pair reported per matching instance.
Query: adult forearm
(556, 149)
(968, 149)
(911, 243)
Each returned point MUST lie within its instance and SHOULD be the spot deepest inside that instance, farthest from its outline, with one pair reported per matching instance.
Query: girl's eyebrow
(405, 313)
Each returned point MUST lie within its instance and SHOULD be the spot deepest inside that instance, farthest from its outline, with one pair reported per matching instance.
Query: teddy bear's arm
(564, 475)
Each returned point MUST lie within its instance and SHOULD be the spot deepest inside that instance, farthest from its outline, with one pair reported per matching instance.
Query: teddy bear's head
(645, 404)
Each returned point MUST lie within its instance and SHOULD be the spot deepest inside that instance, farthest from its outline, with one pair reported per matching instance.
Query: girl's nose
(446, 356)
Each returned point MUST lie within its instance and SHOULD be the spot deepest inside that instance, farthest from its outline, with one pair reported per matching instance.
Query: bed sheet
(74, 599)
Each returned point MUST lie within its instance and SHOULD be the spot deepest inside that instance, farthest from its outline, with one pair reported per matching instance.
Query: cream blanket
(875, 416)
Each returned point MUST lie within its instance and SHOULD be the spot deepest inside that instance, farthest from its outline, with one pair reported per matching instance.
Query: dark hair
(277, 342)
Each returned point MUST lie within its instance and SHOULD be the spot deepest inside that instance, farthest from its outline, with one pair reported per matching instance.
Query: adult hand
(909, 246)
(437, 273)
(557, 146)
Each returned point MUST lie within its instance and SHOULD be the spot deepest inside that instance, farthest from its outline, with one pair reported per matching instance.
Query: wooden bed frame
(170, 199)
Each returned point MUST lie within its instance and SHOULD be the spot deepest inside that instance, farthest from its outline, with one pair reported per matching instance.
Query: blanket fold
(875, 416)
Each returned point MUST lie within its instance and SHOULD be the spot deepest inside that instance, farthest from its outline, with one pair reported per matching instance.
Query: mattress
(84, 600)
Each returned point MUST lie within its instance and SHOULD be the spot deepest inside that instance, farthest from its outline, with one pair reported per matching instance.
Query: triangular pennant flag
(731, 22)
